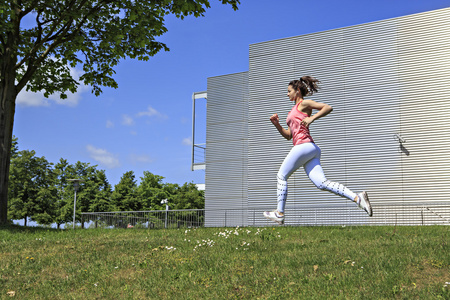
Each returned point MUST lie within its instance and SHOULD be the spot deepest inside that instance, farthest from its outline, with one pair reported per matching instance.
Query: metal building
(389, 133)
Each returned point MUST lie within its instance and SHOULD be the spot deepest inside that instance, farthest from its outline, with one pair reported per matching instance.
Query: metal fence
(402, 215)
(145, 219)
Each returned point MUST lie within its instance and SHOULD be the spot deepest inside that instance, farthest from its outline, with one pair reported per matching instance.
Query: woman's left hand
(307, 121)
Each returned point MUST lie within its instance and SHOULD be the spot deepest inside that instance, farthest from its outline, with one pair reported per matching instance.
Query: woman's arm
(324, 109)
(286, 133)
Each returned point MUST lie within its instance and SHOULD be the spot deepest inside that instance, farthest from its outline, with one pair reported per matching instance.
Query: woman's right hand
(286, 133)
(275, 120)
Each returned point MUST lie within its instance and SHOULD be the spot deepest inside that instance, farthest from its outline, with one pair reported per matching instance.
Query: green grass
(226, 263)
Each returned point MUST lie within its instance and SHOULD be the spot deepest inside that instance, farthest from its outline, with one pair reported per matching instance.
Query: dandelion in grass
(259, 231)
(11, 293)
(208, 243)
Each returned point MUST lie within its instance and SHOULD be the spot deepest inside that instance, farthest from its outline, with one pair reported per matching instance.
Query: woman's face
(292, 94)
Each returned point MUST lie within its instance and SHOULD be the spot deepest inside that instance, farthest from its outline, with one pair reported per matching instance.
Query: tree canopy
(48, 36)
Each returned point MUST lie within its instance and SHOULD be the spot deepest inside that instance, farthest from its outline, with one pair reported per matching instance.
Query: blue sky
(145, 124)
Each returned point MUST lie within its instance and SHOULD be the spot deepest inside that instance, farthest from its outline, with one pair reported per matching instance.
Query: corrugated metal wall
(424, 75)
(384, 79)
(226, 147)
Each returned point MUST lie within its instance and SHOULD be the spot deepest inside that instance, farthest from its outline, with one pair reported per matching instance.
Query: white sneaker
(363, 203)
(274, 216)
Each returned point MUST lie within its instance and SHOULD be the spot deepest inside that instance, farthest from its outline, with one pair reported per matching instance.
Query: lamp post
(165, 201)
(76, 186)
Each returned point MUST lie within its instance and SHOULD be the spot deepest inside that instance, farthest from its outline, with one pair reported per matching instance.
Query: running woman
(305, 152)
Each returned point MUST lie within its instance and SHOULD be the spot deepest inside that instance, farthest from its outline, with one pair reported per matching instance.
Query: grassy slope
(218, 263)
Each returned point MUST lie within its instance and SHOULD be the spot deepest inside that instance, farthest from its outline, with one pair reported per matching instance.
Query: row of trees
(40, 190)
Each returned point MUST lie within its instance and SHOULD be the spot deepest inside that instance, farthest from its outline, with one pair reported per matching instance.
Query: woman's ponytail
(307, 85)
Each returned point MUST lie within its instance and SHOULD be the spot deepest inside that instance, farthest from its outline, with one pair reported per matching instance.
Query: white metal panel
(226, 147)
(424, 64)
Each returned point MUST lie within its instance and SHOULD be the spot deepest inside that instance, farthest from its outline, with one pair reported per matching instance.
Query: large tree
(124, 197)
(65, 192)
(41, 39)
(32, 191)
(94, 193)
(151, 191)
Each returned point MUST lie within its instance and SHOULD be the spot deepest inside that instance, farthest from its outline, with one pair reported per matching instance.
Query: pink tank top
(300, 133)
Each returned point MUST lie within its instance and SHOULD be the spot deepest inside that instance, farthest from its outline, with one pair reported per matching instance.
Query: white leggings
(308, 156)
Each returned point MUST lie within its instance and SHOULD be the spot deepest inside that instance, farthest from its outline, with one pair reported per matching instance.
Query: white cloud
(140, 159)
(150, 112)
(109, 124)
(127, 120)
(26, 98)
(103, 157)
(187, 141)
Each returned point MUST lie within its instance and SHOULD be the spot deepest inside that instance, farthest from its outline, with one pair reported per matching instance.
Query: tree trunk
(25, 221)
(8, 96)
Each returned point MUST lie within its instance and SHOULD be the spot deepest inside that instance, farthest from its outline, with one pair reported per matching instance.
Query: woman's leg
(297, 157)
(315, 172)
(308, 155)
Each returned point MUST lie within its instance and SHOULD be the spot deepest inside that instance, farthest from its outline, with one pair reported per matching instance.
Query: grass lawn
(226, 263)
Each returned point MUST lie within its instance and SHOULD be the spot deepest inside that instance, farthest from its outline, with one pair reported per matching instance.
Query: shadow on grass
(12, 228)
